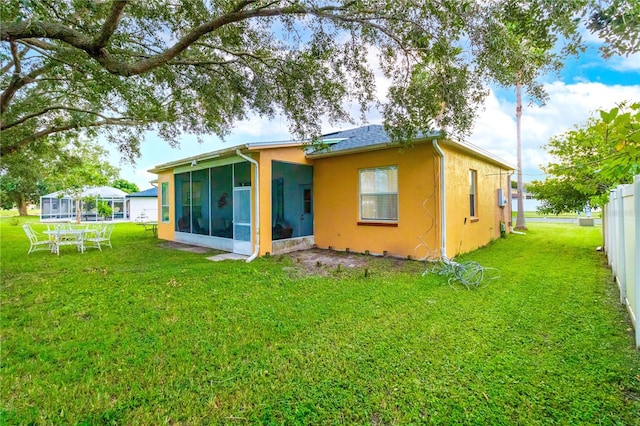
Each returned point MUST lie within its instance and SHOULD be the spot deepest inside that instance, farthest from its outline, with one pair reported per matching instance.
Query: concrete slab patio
(227, 256)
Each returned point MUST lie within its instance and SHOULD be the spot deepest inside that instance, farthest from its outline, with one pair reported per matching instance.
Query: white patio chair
(99, 237)
(37, 241)
(108, 230)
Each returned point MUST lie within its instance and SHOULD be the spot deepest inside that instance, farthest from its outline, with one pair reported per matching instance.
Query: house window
(165, 201)
(473, 193)
(306, 201)
(379, 194)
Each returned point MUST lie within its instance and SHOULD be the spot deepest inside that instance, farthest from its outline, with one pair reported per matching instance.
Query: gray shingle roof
(374, 137)
(356, 139)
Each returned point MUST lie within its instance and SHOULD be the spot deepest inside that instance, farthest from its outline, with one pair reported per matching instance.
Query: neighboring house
(62, 205)
(529, 202)
(143, 204)
(360, 193)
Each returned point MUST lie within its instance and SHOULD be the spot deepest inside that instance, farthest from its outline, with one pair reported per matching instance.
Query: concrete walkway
(197, 249)
(227, 256)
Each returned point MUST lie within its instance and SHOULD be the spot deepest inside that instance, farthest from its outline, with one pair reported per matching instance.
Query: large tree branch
(242, 4)
(17, 64)
(197, 63)
(115, 66)
(17, 82)
(243, 54)
(29, 29)
(55, 108)
(62, 128)
(17, 58)
(48, 30)
(39, 43)
(109, 25)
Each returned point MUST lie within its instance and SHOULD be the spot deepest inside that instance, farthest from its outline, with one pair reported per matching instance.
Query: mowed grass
(146, 335)
(535, 214)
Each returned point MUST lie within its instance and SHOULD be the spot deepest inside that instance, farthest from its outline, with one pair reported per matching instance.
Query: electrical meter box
(502, 200)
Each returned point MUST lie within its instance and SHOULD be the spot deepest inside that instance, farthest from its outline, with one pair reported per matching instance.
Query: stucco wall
(336, 197)
(166, 231)
(417, 233)
(477, 231)
(265, 157)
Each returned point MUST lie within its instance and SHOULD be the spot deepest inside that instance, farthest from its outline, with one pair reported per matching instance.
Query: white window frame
(362, 194)
(164, 201)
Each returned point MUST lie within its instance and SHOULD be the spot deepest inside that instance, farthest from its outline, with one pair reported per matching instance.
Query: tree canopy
(617, 23)
(121, 68)
(23, 174)
(590, 160)
(56, 165)
(125, 185)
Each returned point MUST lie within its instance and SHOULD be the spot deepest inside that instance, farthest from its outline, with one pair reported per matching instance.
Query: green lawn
(146, 335)
(14, 212)
(535, 214)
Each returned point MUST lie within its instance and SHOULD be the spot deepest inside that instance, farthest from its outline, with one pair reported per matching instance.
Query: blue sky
(585, 84)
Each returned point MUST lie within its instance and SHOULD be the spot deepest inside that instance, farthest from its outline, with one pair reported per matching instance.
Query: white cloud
(142, 178)
(255, 127)
(626, 63)
(569, 105)
(495, 129)
(618, 63)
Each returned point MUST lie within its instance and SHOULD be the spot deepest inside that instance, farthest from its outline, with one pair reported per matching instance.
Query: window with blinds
(379, 194)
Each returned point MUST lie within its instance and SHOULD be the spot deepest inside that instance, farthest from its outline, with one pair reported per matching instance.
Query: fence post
(620, 269)
(636, 255)
(622, 245)
(608, 229)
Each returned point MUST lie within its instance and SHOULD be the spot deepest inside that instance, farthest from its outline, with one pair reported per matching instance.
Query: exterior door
(306, 215)
(242, 220)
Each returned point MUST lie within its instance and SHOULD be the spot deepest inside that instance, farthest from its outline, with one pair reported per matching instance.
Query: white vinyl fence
(622, 245)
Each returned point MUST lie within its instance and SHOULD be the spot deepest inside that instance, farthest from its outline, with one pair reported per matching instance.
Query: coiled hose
(470, 273)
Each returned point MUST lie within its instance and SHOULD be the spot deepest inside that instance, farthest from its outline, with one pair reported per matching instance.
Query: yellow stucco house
(360, 193)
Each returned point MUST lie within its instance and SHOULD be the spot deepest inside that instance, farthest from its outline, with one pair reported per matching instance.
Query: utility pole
(520, 223)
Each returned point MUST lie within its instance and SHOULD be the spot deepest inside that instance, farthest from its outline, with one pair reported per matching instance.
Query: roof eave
(472, 149)
(254, 146)
(200, 157)
(481, 152)
(372, 147)
(227, 152)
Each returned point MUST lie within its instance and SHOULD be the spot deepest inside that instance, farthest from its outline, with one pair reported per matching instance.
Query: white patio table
(66, 237)
(150, 226)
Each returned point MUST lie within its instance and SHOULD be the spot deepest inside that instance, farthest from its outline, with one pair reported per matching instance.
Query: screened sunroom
(214, 204)
(62, 205)
(213, 207)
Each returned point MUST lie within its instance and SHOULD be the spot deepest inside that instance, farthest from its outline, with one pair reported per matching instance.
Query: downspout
(443, 203)
(256, 250)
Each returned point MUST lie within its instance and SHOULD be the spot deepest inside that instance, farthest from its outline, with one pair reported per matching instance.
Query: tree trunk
(520, 222)
(79, 210)
(21, 204)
